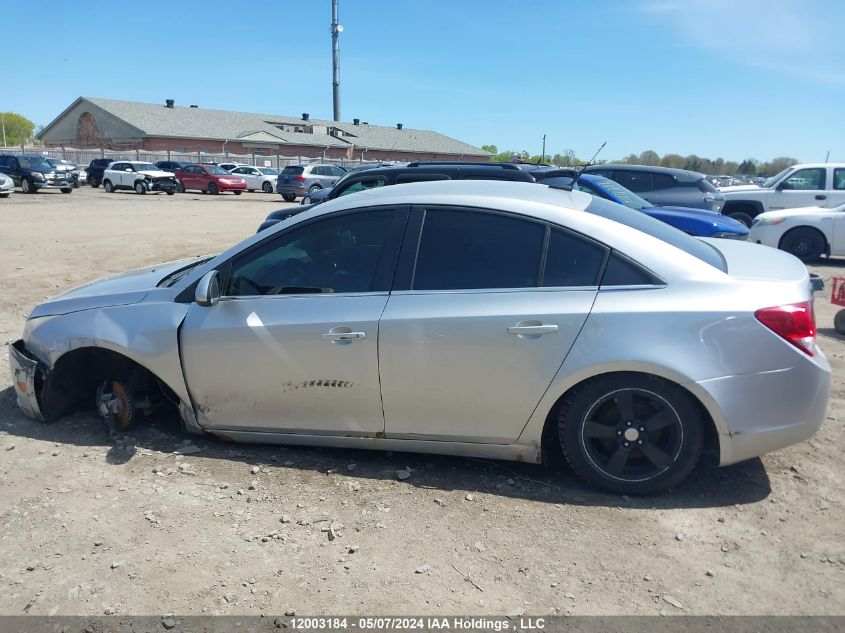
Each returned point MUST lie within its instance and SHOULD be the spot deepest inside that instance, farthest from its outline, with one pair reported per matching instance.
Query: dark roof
(683, 175)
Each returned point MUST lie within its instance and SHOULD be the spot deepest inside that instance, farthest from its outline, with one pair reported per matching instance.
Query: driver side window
(806, 179)
(352, 252)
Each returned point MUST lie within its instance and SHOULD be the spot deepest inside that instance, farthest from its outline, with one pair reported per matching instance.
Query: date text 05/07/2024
(388, 623)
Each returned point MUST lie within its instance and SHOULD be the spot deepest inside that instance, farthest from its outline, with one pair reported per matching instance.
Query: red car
(210, 179)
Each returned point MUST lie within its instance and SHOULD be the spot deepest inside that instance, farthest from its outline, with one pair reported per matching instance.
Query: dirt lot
(91, 526)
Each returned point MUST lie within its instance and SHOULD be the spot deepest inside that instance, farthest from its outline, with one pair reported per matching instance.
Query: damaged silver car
(495, 319)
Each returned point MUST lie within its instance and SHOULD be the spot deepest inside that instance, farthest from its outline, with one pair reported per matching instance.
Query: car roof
(684, 175)
(448, 168)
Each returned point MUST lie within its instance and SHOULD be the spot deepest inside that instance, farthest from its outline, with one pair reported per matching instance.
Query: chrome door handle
(532, 330)
(343, 336)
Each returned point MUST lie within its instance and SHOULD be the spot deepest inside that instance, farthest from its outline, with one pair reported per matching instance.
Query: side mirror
(127, 169)
(208, 289)
(783, 185)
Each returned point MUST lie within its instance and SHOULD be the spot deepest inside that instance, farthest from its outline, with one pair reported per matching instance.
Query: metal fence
(83, 157)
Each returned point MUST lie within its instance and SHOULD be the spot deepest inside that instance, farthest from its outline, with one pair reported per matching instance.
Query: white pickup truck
(806, 185)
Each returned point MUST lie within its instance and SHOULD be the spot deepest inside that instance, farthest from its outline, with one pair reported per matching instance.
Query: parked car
(319, 195)
(95, 171)
(33, 173)
(364, 179)
(138, 176)
(297, 180)
(809, 184)
(7, 185)
(489, 319)
(78, 175)
(663, 186)
(172, 166)
(808, 232)
(229, 166)
(263, 178)
(698, 222)
(210, 179)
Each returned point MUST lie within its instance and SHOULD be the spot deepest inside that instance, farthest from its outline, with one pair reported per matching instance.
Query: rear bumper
(24, 372)
(299, 191)
(767, 411)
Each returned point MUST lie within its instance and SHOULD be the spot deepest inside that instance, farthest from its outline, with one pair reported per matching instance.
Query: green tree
(649, 157)
(748, 167)
(18, 129)
(672, 160)
(490, 148)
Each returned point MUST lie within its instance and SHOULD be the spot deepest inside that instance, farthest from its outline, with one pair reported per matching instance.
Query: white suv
(142, 177)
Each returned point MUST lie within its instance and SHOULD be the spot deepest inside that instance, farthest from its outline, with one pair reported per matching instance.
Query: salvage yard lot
(93, 526)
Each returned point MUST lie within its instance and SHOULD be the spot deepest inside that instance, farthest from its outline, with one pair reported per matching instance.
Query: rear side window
(662, 181)
(572, 261)
(621, 271)
(462, 250)
(636, 181)
(658, 229)
(293, 170)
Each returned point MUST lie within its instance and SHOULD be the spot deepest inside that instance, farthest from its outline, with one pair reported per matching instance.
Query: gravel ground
(134, 527)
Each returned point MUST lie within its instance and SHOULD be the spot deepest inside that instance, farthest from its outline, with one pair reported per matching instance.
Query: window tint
(839, 178)
(805, 179)
(621, 271)
(658, 229)
(364, 184)
(705, 186)
(662, 181)
(634, 180)
(293, 170)
(572, 260)
(336, 254)
(470, 249)
(336, 171)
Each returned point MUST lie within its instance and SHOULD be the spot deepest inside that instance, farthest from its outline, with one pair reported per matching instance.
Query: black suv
(171, 165)
(664, 186)
(95, 170)
(413, 172)
(33, 172)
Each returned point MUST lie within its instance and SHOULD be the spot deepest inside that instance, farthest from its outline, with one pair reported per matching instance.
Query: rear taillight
(794, 322)
(300, 179)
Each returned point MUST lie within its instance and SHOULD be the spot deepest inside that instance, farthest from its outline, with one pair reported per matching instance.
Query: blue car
(698, 222)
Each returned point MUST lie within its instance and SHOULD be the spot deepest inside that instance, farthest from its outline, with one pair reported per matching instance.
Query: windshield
(268, 171)
(176, 275)
(35, 163)
(625, 196)
(145, 167)
(214, 170)
(770, 182)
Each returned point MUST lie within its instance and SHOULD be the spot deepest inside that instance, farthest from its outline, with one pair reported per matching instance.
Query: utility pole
(543, 155)
(337, 29)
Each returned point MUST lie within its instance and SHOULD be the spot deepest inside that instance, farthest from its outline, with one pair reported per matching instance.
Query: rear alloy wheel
(631, 433)
(213, 189)
(288, 197)
(314, 188)
(805, 243)
(140, 188)
(267, 187)
(27, 186)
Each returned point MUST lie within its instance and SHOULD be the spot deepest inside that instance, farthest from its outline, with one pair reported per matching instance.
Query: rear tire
(180, 187)
(839, 322)
(108, 187)
(94, 183)
(741, 216)
(213, 189)
(631, 433)
(288, 197)
(805, 243)
(237, 193)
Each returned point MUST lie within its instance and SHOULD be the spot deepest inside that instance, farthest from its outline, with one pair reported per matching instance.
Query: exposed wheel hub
(631, 434)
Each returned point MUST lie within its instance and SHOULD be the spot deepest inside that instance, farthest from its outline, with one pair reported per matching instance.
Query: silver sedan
(494, 319)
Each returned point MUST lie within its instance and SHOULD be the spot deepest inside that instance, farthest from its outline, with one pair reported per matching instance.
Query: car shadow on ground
(707, 486)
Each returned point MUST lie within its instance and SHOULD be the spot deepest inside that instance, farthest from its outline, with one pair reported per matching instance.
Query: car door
(252, 177)
(128, 175)
(802, 188)
(115, 174)
(245, 174)
(292, 346)
(482, 316)
(8, 165)
(637, 181)
(190, 177)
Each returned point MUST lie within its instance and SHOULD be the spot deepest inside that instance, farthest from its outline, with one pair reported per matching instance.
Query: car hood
(712, 218)
(157, 173)
(121, 289)
(799, 211)
(739, 188)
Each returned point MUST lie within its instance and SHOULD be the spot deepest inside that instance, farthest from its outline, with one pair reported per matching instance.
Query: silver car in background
(298, 180)
(7, 185)
(488, 319)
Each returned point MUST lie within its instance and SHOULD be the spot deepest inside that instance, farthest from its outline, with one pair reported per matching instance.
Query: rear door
(836, 195)
(483, 314)
(637, 181)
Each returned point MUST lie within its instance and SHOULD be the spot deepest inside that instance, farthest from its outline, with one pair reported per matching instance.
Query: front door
(494, 305)
(292, 346)
(803, 188)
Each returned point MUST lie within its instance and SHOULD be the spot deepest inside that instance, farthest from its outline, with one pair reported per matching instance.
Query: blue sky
(737, 79)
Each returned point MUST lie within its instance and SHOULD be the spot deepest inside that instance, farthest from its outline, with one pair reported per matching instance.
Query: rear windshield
(292, 170)
(658, 229)
(706, 186)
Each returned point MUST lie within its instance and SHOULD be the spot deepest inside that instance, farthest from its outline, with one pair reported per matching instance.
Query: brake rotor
(115, 405)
